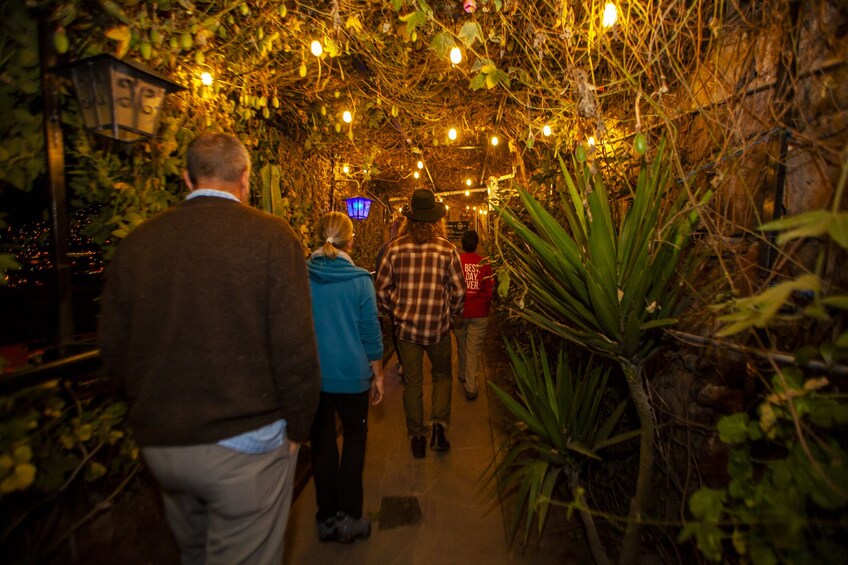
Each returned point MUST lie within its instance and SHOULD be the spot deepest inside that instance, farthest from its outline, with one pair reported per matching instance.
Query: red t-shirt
(479, 285)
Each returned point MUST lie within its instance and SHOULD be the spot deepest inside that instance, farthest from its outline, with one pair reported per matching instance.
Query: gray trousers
(225, 507)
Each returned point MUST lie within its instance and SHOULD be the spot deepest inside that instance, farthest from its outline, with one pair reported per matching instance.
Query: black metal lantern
(358, 207)
(119, 99)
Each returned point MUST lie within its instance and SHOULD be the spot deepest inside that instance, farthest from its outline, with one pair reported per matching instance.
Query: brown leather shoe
(439, 442)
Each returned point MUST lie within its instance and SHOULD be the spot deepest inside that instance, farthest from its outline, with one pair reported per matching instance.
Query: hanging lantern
(358, 207)
(119, 99)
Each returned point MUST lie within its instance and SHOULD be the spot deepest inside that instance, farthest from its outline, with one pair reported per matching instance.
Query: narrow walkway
(460, 521)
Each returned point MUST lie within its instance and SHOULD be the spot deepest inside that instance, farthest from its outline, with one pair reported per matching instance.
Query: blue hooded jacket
(344, 310)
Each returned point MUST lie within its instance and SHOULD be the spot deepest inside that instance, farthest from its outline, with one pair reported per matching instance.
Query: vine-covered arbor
(335, 98)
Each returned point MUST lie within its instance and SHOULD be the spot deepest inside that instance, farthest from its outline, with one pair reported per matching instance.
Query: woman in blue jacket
(350, 351)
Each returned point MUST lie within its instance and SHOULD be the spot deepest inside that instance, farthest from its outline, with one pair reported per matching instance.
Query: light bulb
(316, 48)
(420, 164)
(495, 140)
(452, 133)
(346, 169)
(591, 141)
(347, 117)
(546, 131)
(610, 15)
(467, 182)
(416, 174)
(206, 78)
(467, 193)
(455, 56)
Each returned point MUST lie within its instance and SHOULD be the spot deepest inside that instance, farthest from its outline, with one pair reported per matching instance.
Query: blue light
(358, 207)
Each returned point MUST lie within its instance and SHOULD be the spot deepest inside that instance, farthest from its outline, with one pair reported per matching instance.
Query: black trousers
(338, 480)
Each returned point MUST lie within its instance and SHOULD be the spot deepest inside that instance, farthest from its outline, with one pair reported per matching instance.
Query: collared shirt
(211, 192)
(262, 440)
(423, 286)
(267, 438)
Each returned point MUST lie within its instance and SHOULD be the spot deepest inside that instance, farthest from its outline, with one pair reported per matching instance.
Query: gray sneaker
(328, 530)
(350, 529)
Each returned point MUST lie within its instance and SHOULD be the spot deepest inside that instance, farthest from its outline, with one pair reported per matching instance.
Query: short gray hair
(216, 156)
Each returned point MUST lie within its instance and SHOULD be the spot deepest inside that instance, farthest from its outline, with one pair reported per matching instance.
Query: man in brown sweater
(206, 327)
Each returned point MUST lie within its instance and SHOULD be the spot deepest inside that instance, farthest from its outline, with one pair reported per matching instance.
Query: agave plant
(607, 286)
(558, 427)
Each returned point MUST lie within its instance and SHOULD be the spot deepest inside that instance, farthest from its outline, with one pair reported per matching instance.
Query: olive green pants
(411, 356)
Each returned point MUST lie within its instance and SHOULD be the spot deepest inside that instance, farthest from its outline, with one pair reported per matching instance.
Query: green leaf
(733, 429)
(837, 301)
(708, 504)
(442, 43)
(470, 32)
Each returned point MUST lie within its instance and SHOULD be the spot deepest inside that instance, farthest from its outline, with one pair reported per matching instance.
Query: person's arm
(456, 285)
(377, 382)
(384, 283)
(371, 336)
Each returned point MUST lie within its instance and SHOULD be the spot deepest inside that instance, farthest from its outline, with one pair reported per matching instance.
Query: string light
(467, 182)
(347, 117)
(455, 56)
(420, 164)
(416, 174)
(206, 78)
(610, 15)
(345, 168)
(591, 141)
(467, 193)
(546, 131)
(495, 140)
(452, 133)
(316, 48)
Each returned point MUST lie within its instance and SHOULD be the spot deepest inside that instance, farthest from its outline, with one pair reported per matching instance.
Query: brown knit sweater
(206, 325)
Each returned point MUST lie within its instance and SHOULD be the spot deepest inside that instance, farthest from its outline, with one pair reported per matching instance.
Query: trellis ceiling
(525, 64)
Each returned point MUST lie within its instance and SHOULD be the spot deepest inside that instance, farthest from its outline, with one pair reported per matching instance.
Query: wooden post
(55, 148)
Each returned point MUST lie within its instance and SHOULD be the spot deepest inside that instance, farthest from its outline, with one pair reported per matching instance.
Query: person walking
(420, 282)
(206, 329)
(470, 330)
(350, 348)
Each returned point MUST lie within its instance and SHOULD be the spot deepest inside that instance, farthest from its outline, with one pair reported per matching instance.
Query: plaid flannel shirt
(423, 286)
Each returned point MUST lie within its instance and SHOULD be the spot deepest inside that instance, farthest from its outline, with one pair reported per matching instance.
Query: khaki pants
(225, 507)
(470, 335)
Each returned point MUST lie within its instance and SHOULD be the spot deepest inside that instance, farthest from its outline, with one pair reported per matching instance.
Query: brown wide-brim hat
(424, 208)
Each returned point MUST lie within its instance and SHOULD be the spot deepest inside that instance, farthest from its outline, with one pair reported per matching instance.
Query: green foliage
(788, 489)
(21, 129)
(605, 285)
(561, 421)
(59, 442)
(787, 494)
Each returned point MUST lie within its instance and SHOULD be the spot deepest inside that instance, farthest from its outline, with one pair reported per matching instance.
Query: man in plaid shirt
(420, 281)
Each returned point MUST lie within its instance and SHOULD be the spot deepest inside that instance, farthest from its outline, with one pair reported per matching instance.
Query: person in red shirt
(470, 330)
